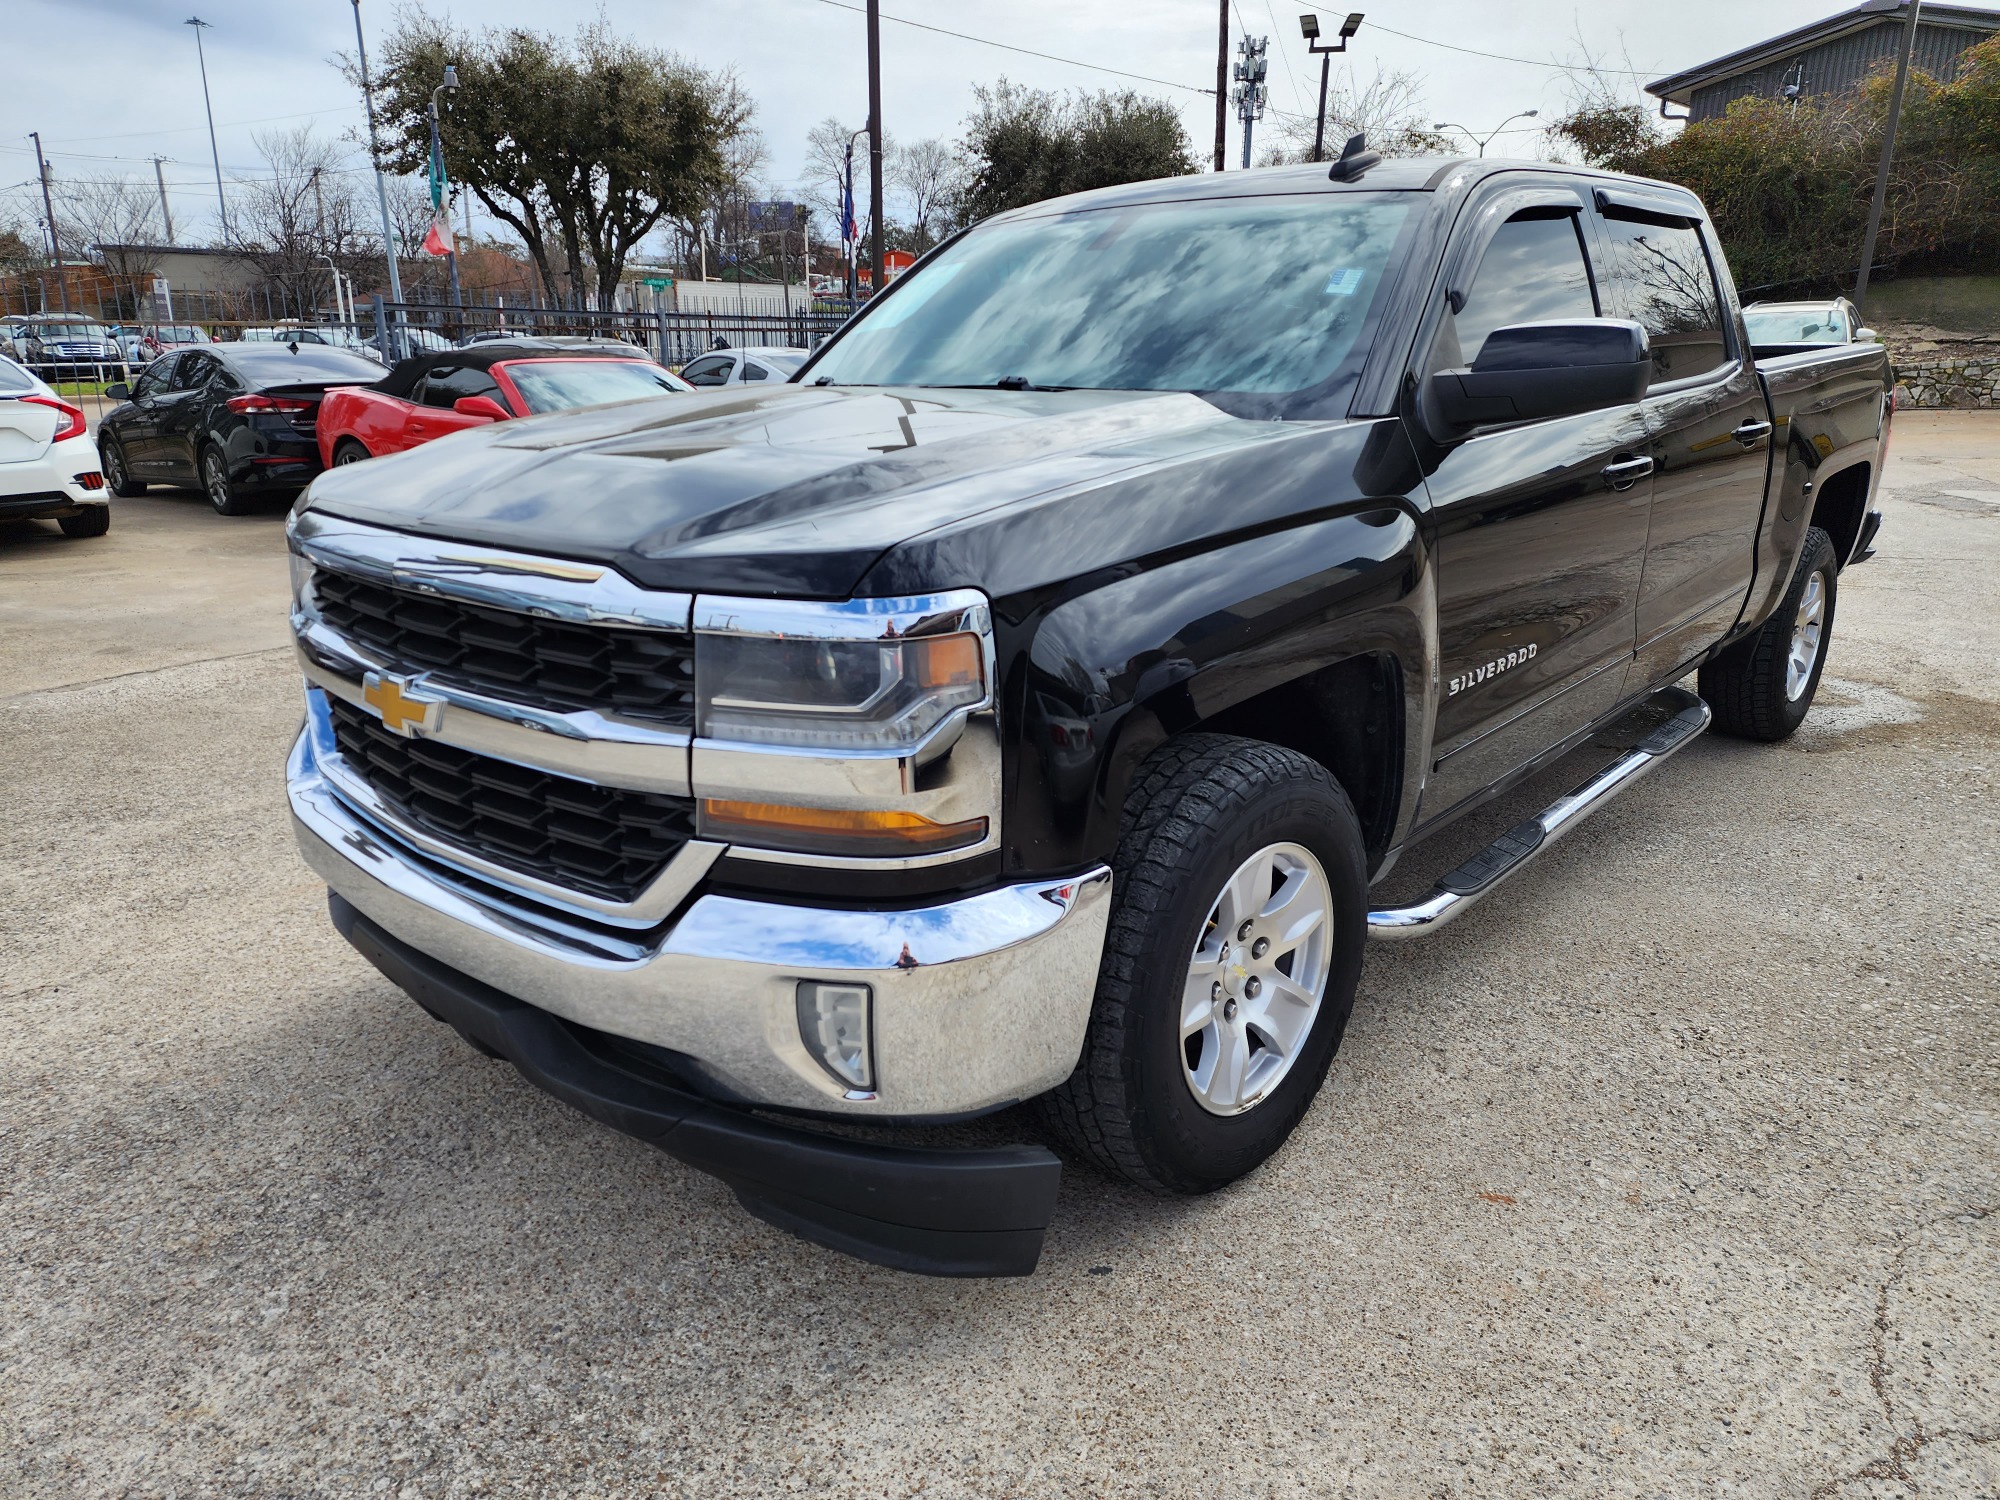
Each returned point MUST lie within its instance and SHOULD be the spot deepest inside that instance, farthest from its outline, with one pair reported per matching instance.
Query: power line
(1024, 51)
(1532, 62)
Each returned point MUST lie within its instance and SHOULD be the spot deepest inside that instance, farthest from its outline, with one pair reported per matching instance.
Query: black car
(238, 420)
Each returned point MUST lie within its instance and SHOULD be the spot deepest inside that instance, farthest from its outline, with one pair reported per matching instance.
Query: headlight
(871, 676)
(812, 722)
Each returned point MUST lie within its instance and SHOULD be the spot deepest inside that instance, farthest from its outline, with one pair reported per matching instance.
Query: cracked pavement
(1670, 1170)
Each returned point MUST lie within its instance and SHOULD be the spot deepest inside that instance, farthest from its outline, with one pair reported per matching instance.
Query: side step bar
(1519, 845)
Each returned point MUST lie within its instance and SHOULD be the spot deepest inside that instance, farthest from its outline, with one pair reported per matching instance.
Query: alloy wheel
(1808, 633)
(218, 480)
(1257, 978)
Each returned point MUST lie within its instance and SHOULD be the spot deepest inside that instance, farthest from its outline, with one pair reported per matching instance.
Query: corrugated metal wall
(1839, 65)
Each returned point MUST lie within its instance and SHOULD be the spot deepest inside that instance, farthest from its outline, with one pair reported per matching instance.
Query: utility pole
(161, 178)
(319, 206)
(55, 238)
(1250, 92)
(1222, 90)
(875, 146)
(214, 155)
(375, 160)
(1888, 157)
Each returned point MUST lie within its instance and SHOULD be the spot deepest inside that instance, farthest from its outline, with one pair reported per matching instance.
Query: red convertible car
(449, 390)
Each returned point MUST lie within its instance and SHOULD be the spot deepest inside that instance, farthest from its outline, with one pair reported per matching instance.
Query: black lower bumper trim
(1864, 546)
(51, 505)
(976, 1212)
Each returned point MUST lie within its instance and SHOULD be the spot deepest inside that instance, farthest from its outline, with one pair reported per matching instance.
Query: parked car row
(254, 418)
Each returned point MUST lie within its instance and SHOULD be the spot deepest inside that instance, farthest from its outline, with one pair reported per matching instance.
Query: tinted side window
(1533, 271)
(447, 383)
(710, 370)
(192, 372)
(754, 371)
(1672, 291)
(153, 379)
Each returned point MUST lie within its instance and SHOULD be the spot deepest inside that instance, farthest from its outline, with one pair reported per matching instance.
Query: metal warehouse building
(1830, 56)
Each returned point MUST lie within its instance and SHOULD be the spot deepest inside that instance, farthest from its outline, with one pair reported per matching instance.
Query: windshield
(1258, 303)
(1796, 325)
(49, 331)
(559, 384)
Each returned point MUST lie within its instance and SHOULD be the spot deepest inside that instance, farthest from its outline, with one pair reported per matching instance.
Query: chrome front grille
(643, 674)
(605, 841)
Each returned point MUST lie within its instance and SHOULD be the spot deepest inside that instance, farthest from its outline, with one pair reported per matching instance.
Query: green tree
(582, 146)
(1789, 184)
(1023, 145)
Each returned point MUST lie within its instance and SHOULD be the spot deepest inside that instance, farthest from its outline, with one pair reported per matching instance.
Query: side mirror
(1540, 370)
(118, 390)
(1867, 336)
(481, 406)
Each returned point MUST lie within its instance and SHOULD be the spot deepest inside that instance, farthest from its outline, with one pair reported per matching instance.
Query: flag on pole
(438, 241)
(848, 237)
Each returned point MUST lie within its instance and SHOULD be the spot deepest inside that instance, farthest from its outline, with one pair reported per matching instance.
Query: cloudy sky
(121, 84)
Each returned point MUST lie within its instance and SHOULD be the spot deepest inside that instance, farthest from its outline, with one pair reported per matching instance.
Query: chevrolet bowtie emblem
(403, 712)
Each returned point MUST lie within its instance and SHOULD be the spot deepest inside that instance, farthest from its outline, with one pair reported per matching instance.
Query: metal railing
(401, 328)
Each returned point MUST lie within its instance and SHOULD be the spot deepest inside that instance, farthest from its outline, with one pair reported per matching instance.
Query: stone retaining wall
(1948, 382)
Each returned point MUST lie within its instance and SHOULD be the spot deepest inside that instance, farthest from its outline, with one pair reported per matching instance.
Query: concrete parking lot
(1672, 1170)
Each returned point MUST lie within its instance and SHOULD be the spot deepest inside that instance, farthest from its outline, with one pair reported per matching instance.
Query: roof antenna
(1355, 159)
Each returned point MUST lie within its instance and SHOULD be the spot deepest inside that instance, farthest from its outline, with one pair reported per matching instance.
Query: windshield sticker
(1345, 282)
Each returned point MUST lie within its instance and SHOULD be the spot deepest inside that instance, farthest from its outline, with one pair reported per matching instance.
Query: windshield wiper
(1004, 383)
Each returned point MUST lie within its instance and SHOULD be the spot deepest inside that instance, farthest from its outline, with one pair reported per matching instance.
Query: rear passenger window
(1670, 284)
(447, 383)
(754, 371)
(1534, 271)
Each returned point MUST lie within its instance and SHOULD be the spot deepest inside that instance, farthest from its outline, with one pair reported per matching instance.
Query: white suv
(48, 465)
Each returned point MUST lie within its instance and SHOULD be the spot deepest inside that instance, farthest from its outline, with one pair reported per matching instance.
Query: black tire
(117, 478)
(349, 451)
(223, 495)
(1200, 807)
(92, 520)
(1749, 685)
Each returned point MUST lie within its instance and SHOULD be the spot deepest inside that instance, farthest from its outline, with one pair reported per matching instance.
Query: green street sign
(659, 283)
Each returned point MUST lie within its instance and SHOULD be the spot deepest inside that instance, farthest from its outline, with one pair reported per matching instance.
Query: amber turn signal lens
(944, 661)
(830, 830)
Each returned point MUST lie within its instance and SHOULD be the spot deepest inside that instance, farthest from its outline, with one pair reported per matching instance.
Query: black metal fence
(673, 338)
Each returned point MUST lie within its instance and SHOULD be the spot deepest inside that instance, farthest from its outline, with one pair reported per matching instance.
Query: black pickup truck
(1018, 706)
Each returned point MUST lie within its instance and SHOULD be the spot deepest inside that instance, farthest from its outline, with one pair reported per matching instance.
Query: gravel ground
(1671, 1171)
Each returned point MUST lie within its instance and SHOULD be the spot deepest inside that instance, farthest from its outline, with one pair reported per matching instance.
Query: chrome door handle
(1626, 472)
(1752, 432)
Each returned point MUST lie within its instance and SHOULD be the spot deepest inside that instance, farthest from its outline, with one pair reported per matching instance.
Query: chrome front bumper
(978, 1001)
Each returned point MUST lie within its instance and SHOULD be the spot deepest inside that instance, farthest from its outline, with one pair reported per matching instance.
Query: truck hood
(795, 490)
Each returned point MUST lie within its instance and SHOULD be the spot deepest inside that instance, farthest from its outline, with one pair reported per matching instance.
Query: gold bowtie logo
(403, 712)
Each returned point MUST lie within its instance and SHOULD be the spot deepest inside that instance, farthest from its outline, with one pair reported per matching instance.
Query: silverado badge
(403, 711)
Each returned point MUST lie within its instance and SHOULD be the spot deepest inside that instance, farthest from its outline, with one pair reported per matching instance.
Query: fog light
(834, 1025)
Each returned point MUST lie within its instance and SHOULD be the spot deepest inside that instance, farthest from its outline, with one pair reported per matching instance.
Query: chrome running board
(1519, 845)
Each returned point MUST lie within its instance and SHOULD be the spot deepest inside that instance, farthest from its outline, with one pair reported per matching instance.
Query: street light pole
(1309, 26)
(1888, 157)
(214, 155)
(1488, 138)
(375, 160)
(437, 176)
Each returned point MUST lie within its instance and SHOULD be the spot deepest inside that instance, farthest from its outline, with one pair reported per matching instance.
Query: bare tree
(115, 221)
(1387, 109)
(304, 207)
(931, 175)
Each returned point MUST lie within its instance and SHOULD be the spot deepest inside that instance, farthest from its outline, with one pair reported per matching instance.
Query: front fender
(1111, 673)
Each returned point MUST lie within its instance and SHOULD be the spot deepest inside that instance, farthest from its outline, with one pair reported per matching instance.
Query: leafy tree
(581, 146)
(1789, 184)
(1023, 145)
